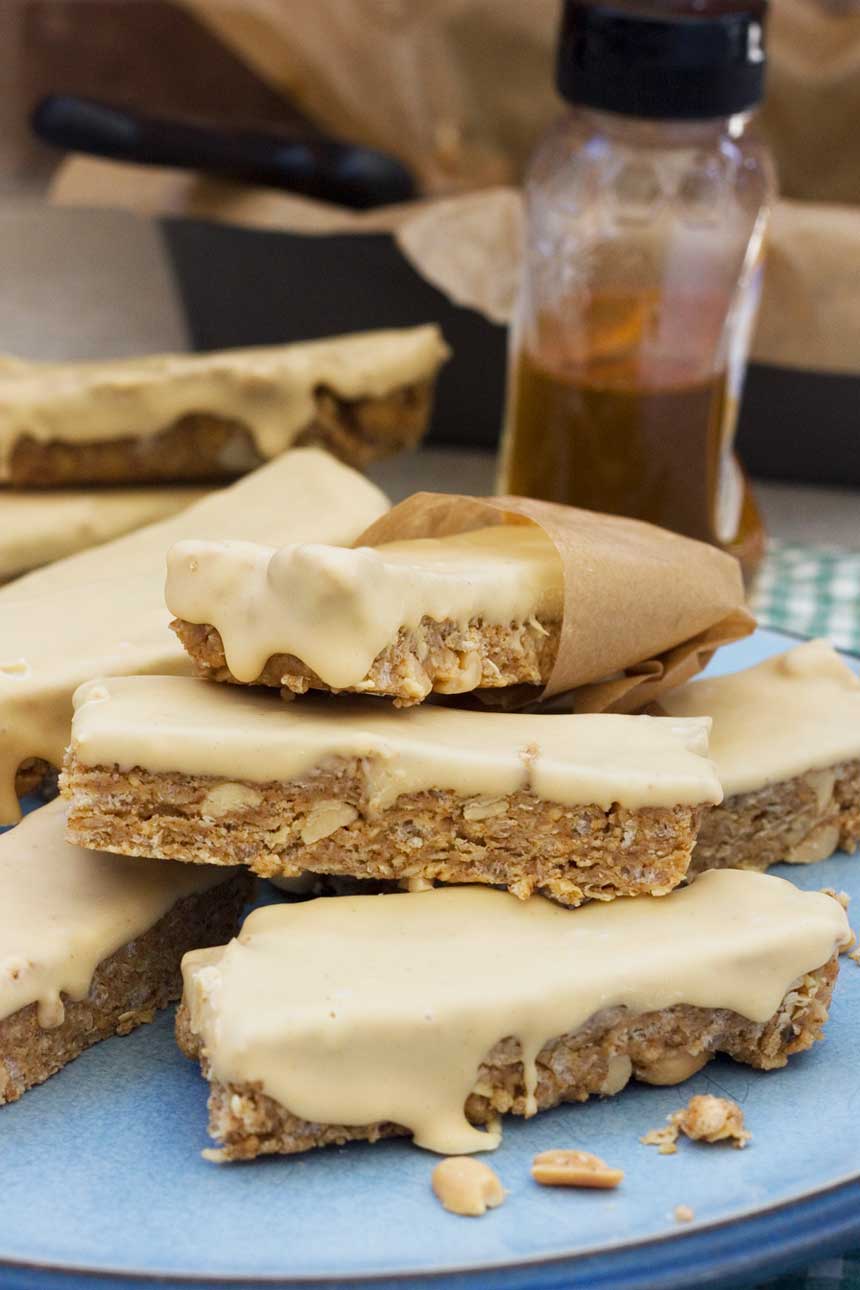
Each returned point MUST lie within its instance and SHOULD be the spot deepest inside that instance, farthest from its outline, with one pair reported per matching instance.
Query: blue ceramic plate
(103, 1184)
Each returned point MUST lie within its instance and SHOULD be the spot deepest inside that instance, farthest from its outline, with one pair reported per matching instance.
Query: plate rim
(821, 1221)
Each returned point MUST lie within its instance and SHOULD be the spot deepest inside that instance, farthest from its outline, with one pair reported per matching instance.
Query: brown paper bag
(461, 89)
(644, 609)
(458, 89)
(813, 98)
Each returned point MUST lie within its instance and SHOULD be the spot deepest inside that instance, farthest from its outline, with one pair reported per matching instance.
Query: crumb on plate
(705, 1118)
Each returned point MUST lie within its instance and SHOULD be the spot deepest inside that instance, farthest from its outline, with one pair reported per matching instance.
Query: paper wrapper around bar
(644, 609)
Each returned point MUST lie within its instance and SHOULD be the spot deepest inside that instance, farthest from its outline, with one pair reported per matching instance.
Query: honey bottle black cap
(660, 60)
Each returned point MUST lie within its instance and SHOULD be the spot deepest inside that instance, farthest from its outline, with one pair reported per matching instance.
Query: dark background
(272, 287)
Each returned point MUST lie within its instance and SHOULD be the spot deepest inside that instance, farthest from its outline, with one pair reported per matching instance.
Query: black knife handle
(329, 171)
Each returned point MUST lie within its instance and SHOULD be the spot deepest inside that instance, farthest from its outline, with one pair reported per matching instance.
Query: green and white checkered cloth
(812, 591)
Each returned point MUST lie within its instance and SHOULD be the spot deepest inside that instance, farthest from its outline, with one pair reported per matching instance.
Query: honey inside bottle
(599, 417)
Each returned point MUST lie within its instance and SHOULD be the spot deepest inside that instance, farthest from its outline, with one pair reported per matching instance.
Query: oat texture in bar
(102, 612)
(92, 944)
(576, 807)
(173, 417)
(477, 610)
(786, 743)
(450, 594)
(452, 1007)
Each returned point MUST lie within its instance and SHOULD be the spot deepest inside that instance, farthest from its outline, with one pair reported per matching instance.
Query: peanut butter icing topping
(335, 609)
(192, 727)
(102, 612)
(270, 391)
(372, 1008)
(793, 713)
(63, 910)
(37, 527)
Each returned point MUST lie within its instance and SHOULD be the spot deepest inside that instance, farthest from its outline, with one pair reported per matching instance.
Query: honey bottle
(646, 211)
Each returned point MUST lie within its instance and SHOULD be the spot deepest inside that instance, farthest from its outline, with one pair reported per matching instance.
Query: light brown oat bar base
(248, 1123)
(323, 823)
(36, 776)
(434, 656)
(204, 447)
(126, 991)
(759, 829)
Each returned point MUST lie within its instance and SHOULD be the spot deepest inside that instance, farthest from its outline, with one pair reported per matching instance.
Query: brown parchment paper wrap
(644, 609)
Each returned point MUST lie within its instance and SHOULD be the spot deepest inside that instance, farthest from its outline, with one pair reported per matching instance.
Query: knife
(331, 171)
